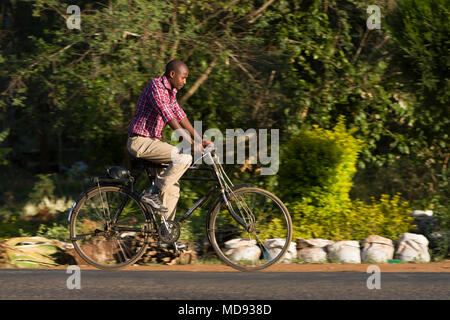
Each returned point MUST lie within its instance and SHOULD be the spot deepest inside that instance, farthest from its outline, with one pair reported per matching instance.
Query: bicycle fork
(249, 227)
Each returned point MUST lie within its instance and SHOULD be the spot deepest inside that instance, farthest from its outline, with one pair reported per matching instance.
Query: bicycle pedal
(178, 247)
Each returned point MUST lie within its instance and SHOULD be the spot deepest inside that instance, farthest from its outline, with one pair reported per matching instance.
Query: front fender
(71, 210)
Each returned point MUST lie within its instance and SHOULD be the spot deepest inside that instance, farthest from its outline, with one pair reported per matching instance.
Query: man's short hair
(174, 65)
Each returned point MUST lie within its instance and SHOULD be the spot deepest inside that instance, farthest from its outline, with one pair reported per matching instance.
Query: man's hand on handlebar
(206, 143)
(197, 147)
(210, 148)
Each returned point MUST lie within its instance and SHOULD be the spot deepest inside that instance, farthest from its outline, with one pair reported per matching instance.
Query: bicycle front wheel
(253, 231)
(109, 227)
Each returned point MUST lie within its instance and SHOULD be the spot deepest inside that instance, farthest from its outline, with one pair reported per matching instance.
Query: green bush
(13, 226)
(439, 235)
(54, 231)
(319, 163)
(42, 213)
(44, 187)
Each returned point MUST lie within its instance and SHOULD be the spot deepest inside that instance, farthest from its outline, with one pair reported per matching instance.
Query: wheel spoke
(260, 208)
(121, 249)
(101, 243)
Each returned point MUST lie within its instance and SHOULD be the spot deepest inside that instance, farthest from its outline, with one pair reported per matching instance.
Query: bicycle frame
(217, 171)
(148, 165)
(219, 177)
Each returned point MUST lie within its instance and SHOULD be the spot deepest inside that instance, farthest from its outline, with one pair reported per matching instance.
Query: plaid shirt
(156, 106)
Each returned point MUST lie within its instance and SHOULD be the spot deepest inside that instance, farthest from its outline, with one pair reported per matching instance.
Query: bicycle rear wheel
(109, 227)
(257, 236)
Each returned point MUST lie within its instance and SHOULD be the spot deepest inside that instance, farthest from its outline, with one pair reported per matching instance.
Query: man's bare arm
(186, 124)
(174, 124)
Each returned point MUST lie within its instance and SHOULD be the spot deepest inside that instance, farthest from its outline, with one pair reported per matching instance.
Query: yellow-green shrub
(316, 174)
(319, 163)
(352, 220)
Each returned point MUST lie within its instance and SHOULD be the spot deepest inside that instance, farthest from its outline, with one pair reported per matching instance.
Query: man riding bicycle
(156, 107)
(110, 217)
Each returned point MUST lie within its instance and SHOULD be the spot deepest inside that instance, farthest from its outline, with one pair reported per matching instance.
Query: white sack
(313, 250)
(413, 248)
(344, 251)
(376, 249)
(276, 245)
(242, 249)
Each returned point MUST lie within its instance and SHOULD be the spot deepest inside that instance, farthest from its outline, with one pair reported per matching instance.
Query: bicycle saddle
(118, 172)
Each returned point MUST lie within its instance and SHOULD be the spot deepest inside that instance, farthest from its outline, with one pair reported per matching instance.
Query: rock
(242, 249)
(376, 249)
(312, 250)
(413, 248)
(344, 252)
(276, 245)
(34, 252)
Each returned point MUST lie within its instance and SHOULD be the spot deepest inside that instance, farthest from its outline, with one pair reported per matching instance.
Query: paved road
(96, 284)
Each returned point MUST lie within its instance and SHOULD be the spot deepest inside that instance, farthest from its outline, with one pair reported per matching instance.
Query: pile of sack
(374, 249)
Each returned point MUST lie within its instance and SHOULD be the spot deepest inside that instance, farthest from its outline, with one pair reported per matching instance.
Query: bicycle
(109, 218)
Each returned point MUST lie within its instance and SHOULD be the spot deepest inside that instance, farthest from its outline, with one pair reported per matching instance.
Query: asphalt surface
(48, 284)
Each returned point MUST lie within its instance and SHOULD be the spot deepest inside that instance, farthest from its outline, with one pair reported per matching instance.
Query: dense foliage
(319, 164)
(353, 220)
(318, 168)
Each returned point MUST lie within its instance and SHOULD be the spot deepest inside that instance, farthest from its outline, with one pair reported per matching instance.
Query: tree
(421, 60)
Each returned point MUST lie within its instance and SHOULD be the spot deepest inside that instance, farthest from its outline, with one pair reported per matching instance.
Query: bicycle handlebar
(210, 149)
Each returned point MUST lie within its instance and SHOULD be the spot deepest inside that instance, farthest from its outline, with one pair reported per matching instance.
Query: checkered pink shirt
(156, 106)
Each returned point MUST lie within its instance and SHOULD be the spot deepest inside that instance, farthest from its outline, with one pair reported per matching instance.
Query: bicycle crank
(169, 232)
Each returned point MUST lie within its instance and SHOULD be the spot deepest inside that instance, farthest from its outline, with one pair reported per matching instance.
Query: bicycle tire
(84, 219)
(219, 220)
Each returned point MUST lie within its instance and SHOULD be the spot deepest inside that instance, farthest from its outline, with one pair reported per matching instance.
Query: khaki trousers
(166, 178)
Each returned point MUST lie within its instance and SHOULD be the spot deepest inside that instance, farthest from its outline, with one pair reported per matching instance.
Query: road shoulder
(441, 266)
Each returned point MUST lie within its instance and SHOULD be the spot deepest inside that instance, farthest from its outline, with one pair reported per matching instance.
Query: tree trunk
(43, 151)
